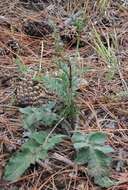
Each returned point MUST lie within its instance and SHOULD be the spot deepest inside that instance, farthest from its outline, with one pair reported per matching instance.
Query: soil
(103, 102)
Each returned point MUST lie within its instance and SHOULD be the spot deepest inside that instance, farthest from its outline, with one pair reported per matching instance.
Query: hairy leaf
(92, 150)
(97, 138)
(33, 116)
(82, 156)
(104, 181)
(34, 149)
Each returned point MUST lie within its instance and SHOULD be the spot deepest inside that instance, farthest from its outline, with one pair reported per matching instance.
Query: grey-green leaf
(34, 149)
(82, 156)
(105, 149)
(104, 181)
(78, 137)
(32, 116)
(91, 150)
(98, 138)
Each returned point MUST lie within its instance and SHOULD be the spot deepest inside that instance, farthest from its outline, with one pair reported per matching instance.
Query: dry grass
(103, 104)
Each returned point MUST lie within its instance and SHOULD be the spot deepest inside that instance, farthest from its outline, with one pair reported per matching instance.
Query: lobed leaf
(98, 138)
(33, 116)
(92, 150)
(104, 181)
(34, 149)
